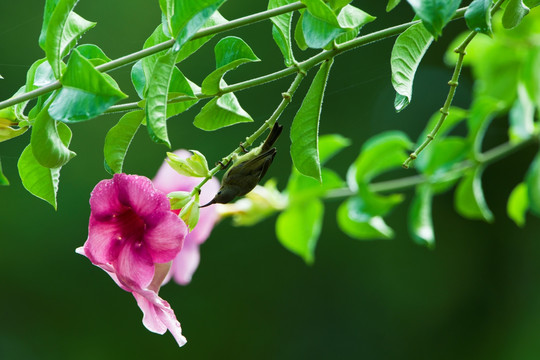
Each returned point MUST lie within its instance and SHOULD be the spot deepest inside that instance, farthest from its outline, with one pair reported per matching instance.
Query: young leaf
(331, 144)
(299, 33)
(356, 223)
(40, 181)
(391, 5)
(478, 16)
(221, 112)
(3, 179)
(281, 30)
(231, 52)
(305, 126)
(179, 199)
(298, 228)
(48, 147)
(31, 74)
(469, 198)
(420, 221)
(435, 14)
(194, 166)
(190, 212)
(93, 53)
(514, 12)
(318, 33)
(532, 180)
(187, 17)
(61, 29)
(518, 203)
(407, 53)
(156, 104)
(521, 117)
(119, 138)
(352, 19)
(86, 93)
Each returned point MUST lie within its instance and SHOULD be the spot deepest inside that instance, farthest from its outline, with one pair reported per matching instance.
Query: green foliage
(521, 117)
(231, 52)
(532, 180)
(60, 31)
(221, 112)
(86, 93)
(392, 4)
(305, 126)
(48, 146)
(93, 53)
(435, 14)
(41, 181)
(119, 138)
(3, 179)
(281, 30)
(190, 212)
(469, 197)
(407, 53)
(298, 228)
(518, 203)
(357, 223)
(478, 16)
(194, 166)
(420, 218)
(513, 13)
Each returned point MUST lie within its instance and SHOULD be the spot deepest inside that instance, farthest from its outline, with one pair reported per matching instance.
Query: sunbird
(247, 170)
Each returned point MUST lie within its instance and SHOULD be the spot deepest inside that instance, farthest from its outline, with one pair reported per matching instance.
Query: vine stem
(125, 60)
(286, 100)
(445, 110)
(486, 158)
(304, 65)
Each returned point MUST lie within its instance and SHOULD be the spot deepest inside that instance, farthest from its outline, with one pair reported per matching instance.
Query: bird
(247, 170)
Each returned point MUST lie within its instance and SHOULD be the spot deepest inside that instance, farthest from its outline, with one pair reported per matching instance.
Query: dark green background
(476, 296)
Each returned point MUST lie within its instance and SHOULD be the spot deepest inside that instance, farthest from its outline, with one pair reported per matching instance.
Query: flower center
(131, 225)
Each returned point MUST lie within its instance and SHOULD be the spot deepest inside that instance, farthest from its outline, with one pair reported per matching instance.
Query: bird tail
(272, 137)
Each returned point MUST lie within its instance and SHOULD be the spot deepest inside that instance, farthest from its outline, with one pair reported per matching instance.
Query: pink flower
(168, 180)
(134, 236)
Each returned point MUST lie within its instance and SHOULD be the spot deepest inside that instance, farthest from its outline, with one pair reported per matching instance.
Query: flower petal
(107, 268)
(134, 266)
(158, 315)
(139, 194)
(104, 241)
(164, 239)
(186, 263)
(104, 199)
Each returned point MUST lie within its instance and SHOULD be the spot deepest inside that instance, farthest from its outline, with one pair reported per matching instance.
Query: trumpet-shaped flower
(168, 180)
(134, 236)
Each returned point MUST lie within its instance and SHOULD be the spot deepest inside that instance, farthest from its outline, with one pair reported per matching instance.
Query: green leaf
(318, 33)
(231, 52)
(7, 131)
(194, 166)
(331, 144)
(469, 198)
(179, 199)
(221, 112)
(521, 117)
(483, 110)
(435, 14)
(532, 180)
(455, 116)
(41, 181)
(193, 45)
(514, 12)
(3, 179)
(305, 126)
(478, 16)
(156, 104)
(420, 219)
(61, 29)
(301, 188)
(298, 228)
(532, 3)
(518, 203)
(183, 18)
(93, 53)
(337, 5)
(86, 93)
(119, 138)
(299, 33)
(381, 153)
(32, 73)
(281, 30)
(391, 5)
(358, 224)
(146, 65)
(351, 19)
(407, 53)
(530, 75)
(190, 212)
(47, 145)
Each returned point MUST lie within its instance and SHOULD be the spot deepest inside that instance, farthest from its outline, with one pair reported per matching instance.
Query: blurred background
(475, 296)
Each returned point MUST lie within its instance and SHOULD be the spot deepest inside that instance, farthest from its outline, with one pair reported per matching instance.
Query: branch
(117, 63)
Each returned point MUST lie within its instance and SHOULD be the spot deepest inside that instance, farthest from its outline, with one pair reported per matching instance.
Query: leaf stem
(286, 100)
(125, 60)
(445, 110)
